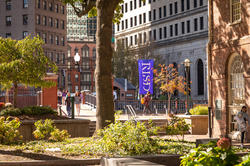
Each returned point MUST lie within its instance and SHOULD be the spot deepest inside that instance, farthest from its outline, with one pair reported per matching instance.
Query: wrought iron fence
(157, 106)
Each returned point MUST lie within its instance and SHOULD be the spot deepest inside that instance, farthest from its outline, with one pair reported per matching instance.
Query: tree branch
(87, 5)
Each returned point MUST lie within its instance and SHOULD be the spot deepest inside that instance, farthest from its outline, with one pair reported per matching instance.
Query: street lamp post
(187, 64)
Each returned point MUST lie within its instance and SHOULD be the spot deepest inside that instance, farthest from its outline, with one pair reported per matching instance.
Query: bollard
(209, 123)
(72, 108)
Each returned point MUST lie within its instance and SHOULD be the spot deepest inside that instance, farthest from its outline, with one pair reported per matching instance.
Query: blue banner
(145, 68)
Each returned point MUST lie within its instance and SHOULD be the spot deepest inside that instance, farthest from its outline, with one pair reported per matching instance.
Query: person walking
(147, 99)
(68, 102)
(64, 93)
(78, 102)
(241, 119)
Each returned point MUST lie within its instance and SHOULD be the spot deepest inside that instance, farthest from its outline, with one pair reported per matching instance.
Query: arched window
(237, 81)
(200, 77)
(85, 51)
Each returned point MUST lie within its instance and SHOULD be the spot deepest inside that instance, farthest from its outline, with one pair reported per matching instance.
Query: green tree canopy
(24, 62)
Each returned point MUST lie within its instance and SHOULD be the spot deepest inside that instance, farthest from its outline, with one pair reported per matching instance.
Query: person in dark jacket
(68, 104)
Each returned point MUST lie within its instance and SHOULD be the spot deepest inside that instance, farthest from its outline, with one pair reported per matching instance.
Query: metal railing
(132, 112)
(157, 106)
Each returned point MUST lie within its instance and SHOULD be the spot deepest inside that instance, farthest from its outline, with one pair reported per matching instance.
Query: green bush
(199, 110)
(31, 110)
(210, 155)
(46, 130)
(128, 138)
(177, 126)
(245, 161)
(8, 130)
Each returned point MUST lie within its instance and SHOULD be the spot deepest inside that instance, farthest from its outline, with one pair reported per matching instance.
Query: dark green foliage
(210, 155)
(31, 110)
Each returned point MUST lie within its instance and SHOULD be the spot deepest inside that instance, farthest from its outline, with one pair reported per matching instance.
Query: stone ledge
(83, 162)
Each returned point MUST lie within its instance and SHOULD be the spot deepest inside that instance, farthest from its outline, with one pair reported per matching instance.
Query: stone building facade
(46, 18)
(229, 62)
(178, 30)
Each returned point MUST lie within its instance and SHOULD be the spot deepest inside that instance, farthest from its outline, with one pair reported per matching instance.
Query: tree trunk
(7, 100)
(15, 95)
(103, 72)
(169, 99)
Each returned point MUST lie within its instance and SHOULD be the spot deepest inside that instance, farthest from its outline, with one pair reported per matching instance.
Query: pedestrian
(78, 102)
(68, 102)
(147, 99)
(59, 96)
(241, 119)
(64, 93)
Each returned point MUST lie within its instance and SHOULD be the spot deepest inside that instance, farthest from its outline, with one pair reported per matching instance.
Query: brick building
(229, 62)
(81, 39)
(46, 18)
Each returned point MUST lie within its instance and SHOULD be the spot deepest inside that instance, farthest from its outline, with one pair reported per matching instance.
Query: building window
(149, 1)
(140, 38)
(85, 51)
(164, 11)
(135, 4)
(122, 24)
(44, 37)
(62, 9)
(25, 4)
(8, 4)
(56, 8)
(50, 22)
(38, 20)
(94, 53)
(76, 79)
(63, 58)
(63, 41)
(195, 3)
(176, 29)
(201, 2)
(160, 33)
(51, 39)
(131, 5)
(149, 16)
(135, 39)
(50, 6)
(235, 10)
(182, 5)
(57, 40)
(38, 4)
(144, 18)
(200, 77)
(57, 58)
(44, 20)
(126, 7)
(175, 7)
(154, 14)
(118, 27)
(44, 4)
(57, 23)
(154, 33)
(122, 9)
(183, 27)
(25, 19)
(201, 23)
(135, 20)
(7, 35)
(170, 9)
(140, 19)
(165, 32)
(145, 37)
(150, 35)
(62, 24)
(188, 26)
(188, 4)
(195, 24)
(160, 13)
(126, 23)
(237, 82)
(131, 21)
(171, 30)
(139, 3)
(8, 20)
(131, 40)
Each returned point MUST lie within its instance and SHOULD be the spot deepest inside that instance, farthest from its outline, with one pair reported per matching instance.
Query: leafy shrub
(177, 126)
(199, 110)
(245, 161)
(210, 155)
(46, 130)
(31, 110)
(8, 130)
(128, 138)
